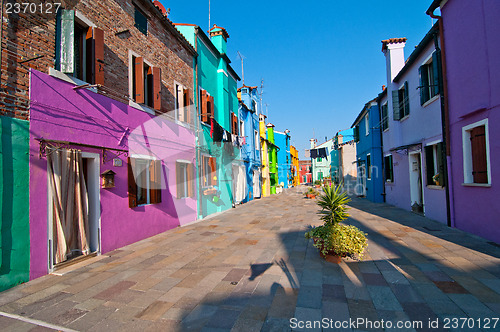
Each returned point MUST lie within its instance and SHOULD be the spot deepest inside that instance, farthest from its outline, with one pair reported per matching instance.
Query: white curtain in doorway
(256, 184)
(69, 201)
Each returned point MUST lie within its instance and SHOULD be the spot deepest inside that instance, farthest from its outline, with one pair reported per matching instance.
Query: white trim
(485, 185)
(427, 60)
(430, 101)
(467, 152)
(94, 192)
(368, 168)
(421, 176)
(367, 123)
(70, 79)
(131, 101)
(222, 71)
(183, 161)
(84, 20)
(141, 107)
(142, 156)
(433, 142)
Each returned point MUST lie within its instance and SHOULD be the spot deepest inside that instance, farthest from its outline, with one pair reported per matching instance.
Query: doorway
(416, 193)
(91, 195)
(361, 181)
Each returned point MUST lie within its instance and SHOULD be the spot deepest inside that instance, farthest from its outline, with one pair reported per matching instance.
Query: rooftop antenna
(267, 113)
(209, 27)
(261, 93)
(241, 56)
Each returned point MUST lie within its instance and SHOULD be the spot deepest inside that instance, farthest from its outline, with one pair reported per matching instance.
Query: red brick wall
(29, 35)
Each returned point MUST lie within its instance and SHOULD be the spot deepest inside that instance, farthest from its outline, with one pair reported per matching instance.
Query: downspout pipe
(445, 122)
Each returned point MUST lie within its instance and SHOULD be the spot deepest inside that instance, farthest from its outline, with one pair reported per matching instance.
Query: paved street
(251, 269)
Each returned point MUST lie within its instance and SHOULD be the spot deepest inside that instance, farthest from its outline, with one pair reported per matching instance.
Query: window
(356, 135)
(182, 102)
(234, 124)
(305, 179)
(319, 159)
(367, 124)
(434, 165)
(79, 47)
(384, 116)
(209, 171)
(184, 179)
(207, 107)
(476, 153)
(242, 128)
(141, 21)
(257, 141)
(401, 102)
(388, 168)
(368, 166)
(144, 181)
(429, 78)
(146, 83)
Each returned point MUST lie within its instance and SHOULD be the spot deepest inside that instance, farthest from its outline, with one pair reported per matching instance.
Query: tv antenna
(241, 56)
(261, 93)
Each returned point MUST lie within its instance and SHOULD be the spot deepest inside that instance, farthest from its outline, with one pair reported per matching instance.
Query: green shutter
(407, 100)
(429, 164)
(356, 133)
(65, 41)
(395, 106)
(424, 84)
(440, 163)
(436, 70)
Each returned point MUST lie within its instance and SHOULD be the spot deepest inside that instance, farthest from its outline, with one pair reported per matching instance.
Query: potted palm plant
(334, 239)
(311, 193)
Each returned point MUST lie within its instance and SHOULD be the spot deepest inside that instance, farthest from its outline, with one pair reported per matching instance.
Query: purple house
(80, 136)
(471, 68)
(413, 157)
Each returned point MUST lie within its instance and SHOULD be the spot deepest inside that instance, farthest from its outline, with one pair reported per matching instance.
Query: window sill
(484, 185)
(404, 118)
(70, 79)
(141, 107)
(391, 183)
(434, 187)
(386, 130)
(430, 101)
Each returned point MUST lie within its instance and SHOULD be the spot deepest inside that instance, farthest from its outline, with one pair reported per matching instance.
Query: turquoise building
(321, 165)
(219, 160)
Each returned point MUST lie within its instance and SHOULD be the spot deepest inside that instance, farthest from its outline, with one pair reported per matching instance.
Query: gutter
(445, 120)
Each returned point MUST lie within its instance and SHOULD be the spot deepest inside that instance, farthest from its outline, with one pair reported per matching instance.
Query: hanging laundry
(314, 153)
(243, 140)
(323, 153)
(212, 128)
(218, 131)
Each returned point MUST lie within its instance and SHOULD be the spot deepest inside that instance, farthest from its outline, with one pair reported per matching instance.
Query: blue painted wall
(250, 152)
(282, 140)
(371, 144)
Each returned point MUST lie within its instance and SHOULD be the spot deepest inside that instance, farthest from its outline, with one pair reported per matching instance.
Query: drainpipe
(445, 124)
(197, 129)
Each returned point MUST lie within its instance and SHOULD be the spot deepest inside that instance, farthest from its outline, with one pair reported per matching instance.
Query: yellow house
(295, 165)
(266, 181)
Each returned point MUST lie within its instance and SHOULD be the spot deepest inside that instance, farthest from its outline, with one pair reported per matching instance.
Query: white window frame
(184, 164)
(257, 139)
(392, 161)
(467, 153)
(150, 158)
(131, 68)
(368, 167)
(242, 128)
(367, 124)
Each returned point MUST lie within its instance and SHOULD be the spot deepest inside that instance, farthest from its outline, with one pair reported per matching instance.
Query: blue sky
(320, 61)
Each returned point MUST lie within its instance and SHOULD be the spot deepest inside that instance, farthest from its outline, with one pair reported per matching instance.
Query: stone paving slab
(251, 269)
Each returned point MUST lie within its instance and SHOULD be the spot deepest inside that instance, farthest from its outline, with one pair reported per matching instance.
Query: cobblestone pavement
(250, 269)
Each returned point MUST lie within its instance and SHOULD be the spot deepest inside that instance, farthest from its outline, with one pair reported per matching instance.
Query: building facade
(103, 130)
(320, 162)
(295, 166)
(412, 138)
(250, 149)
(367, 135)
(305, 171)
(472, 106)
(284, 158)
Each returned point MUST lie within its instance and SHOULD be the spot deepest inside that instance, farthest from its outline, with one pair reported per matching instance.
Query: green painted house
(217, 106)
(273, 158)
(14, 202)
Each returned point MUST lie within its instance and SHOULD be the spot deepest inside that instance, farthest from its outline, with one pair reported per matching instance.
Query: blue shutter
(65, 41)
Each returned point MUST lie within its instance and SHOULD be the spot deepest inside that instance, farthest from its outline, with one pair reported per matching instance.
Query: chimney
(393, 50)
(383, 87)
(219, 38)
(313, 143)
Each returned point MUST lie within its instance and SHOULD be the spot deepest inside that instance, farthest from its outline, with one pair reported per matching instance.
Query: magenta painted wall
(58, 112)
(472, 46)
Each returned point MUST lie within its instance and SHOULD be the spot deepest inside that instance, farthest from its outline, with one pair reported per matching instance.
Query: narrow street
(251, 269)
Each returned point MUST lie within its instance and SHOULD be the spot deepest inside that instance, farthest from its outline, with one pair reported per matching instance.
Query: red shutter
(98, 56)
(204, 110)
(187, 102)
(178, 179)
(212, 109)
(139, 80)
(156, 88)
(132, 187)
(90, 56)
(155, 182)
(213, 168)
(478, 149)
